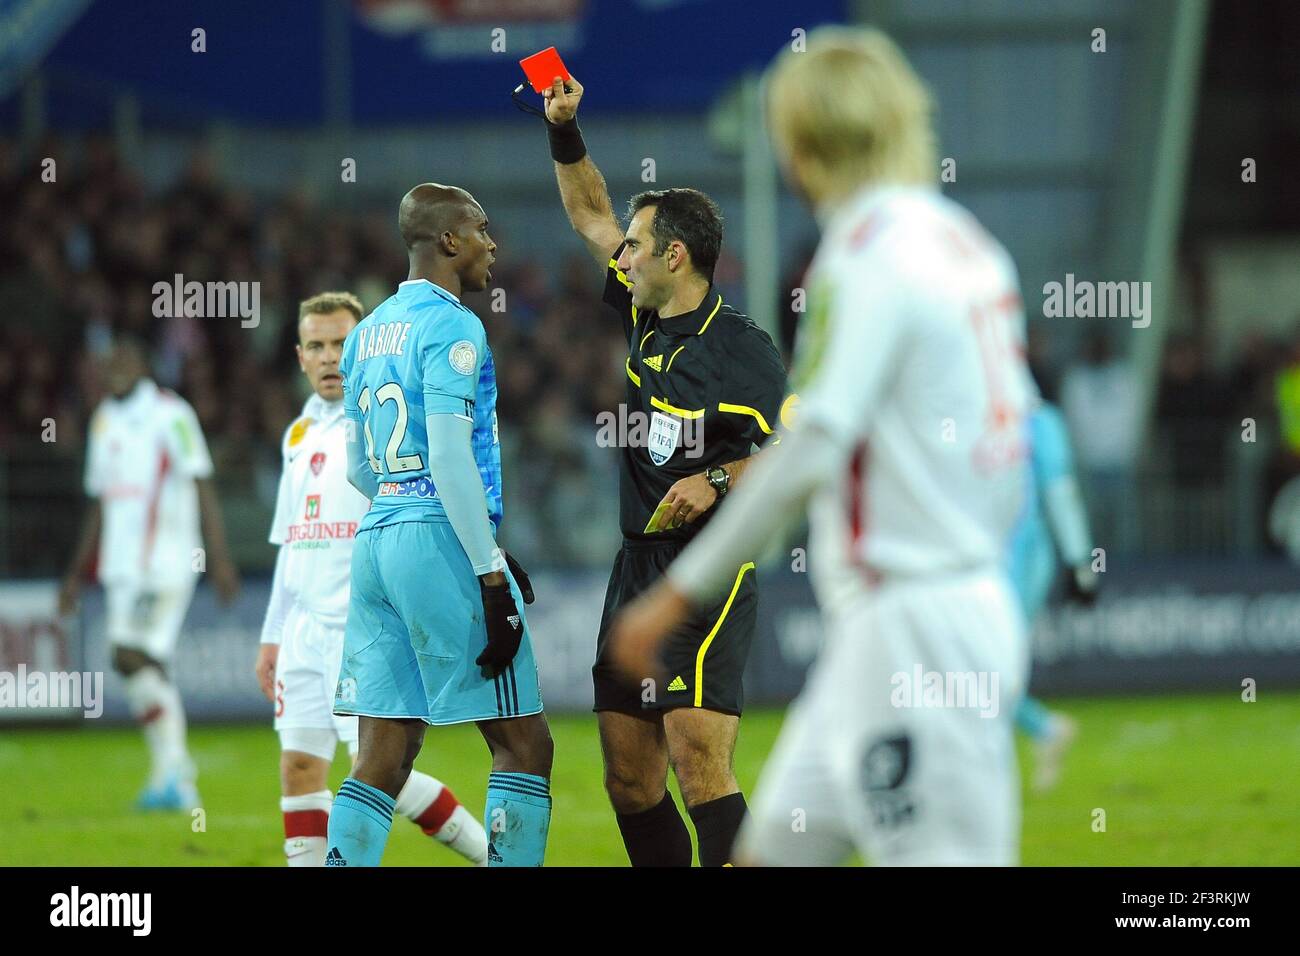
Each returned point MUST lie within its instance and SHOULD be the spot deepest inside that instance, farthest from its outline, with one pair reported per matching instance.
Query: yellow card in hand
(651, 526)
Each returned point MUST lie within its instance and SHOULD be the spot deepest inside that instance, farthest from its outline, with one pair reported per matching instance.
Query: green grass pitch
(1183, 780)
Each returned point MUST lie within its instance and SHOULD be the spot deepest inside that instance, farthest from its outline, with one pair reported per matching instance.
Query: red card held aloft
(542, 69)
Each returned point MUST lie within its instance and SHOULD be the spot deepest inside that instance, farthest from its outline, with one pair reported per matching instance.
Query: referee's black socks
(658, 836)
(716, 825)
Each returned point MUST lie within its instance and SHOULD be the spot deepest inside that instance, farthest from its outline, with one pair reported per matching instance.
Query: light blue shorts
(415, 626)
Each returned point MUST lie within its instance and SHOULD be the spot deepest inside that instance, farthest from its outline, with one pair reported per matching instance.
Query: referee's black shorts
(704, 660)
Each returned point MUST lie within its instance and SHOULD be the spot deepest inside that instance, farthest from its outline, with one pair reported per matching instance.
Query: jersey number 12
(395, 463)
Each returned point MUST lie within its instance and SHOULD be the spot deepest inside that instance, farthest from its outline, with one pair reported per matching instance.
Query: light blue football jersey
(1032, 558)
(419, 353)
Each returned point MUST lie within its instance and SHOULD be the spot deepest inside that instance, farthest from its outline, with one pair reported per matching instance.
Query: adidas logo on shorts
(335, 858)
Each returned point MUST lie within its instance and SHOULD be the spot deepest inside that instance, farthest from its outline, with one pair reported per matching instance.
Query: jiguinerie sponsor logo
(322, 531)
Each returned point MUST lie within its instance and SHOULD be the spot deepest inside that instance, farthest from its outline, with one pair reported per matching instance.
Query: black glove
(521, 578)
(1081, 584)
(505, 628)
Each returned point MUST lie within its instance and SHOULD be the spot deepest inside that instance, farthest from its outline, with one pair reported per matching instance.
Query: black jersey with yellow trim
(703, 388)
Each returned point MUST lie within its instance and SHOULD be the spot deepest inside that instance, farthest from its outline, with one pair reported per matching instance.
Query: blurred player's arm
(82, 558)
(218, 563)
(1067, 518)
(582, 187)
(272, 627)
(1069, 523)
(94, 481)
(189, 451)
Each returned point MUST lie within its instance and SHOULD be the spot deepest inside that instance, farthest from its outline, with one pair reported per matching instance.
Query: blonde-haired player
(907, 450)
(316, 515)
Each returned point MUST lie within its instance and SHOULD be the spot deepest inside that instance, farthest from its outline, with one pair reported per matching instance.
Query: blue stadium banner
(380, 62)
(1161, 627)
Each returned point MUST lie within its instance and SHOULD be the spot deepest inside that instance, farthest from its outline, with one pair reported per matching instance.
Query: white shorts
(306, 675)
(147, 619)
(887, 749)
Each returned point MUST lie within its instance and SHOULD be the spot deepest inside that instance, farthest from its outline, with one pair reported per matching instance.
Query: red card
(542, 69)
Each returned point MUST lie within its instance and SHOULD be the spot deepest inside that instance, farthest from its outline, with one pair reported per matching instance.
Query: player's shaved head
(446, 235)
(431, 209)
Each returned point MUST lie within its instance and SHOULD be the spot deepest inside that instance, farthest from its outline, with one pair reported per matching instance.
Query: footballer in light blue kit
(1054, 520)
(435, 633)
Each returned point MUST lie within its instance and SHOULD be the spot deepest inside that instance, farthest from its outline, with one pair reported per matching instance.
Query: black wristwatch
(718, 478)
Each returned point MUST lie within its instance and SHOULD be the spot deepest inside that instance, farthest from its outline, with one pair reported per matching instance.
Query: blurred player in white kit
(907, 450)
(316, 515)
(149, 474)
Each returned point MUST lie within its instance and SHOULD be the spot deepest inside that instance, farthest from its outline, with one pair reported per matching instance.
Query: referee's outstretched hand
(562, 106)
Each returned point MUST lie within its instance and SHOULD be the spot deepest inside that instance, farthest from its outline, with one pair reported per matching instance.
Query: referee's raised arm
(582, 187)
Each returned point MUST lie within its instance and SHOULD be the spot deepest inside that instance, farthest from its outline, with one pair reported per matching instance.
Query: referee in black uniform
(708, 384)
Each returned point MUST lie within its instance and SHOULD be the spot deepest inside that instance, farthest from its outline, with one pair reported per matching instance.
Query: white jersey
(146, 450)
(317, 512)
(913, 355)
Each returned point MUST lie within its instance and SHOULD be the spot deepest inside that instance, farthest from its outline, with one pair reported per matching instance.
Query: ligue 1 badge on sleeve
(463, 357)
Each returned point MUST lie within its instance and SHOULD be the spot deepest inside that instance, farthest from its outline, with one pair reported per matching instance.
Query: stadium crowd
(81, 256)
(82, 252)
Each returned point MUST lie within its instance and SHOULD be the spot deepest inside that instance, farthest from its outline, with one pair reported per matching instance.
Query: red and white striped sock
(431, 806)
(306, 827)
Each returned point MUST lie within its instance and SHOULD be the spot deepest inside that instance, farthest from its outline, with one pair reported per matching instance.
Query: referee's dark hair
(687, 216)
